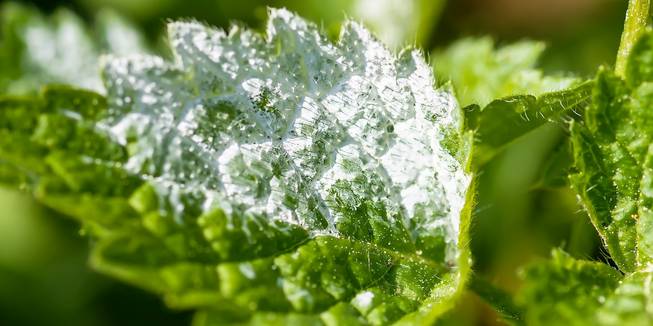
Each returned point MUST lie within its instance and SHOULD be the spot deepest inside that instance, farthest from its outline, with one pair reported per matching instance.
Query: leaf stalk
(637, 18)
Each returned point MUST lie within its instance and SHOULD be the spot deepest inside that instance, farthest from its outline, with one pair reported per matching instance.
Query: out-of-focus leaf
(556, 167)
(499, 299)
(482, 73)
(630, 303)
(396, 22)
(566, 291)
(281, 179)
(36, 50)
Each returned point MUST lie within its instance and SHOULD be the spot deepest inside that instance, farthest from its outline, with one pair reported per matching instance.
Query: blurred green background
(44, 279)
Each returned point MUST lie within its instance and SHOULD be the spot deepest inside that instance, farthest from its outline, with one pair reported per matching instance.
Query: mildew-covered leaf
(262, 179)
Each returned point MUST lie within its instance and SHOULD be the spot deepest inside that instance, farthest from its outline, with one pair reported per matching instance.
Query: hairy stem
(636, 21)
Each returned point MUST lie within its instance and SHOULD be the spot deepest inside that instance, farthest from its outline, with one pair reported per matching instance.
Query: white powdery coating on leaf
(270, 125)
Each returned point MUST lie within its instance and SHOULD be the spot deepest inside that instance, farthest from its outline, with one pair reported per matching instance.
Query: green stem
(635, 24)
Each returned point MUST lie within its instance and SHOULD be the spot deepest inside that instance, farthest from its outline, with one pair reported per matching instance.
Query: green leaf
(277, 179)
(610, 152)
(482, 73)
(503, 121)
(631, 302)
(36, 50)
(566, 291)
(613, 158)
(578, 292)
